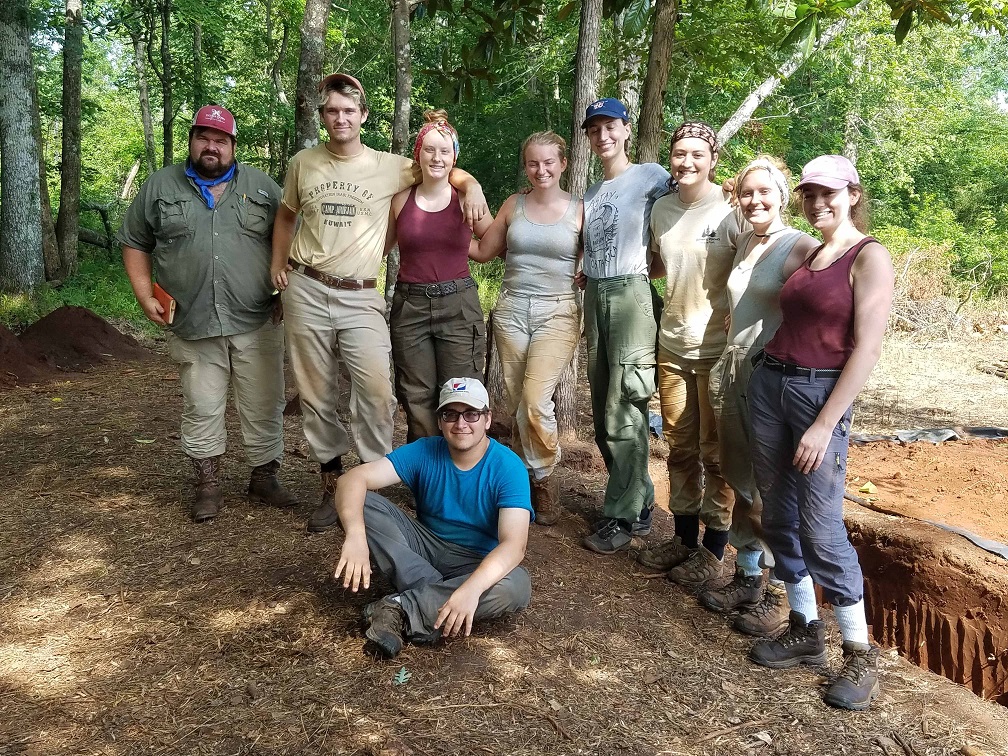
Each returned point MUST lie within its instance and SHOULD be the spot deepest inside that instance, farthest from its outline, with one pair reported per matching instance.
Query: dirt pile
(69, 339)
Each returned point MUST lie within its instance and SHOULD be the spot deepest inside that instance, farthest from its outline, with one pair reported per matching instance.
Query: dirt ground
(126, 629)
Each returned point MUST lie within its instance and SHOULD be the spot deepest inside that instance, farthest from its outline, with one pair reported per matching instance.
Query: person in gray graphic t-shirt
(620, 323)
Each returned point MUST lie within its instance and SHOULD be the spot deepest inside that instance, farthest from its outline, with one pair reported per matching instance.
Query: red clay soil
(19, 367)
(963, 483)
(74, 339)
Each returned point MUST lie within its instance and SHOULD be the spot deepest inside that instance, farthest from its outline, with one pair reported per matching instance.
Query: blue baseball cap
(608, 107)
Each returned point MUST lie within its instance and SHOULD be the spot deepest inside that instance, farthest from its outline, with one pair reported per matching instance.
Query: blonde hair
(344, 88)
(778, 172)
(546, 139)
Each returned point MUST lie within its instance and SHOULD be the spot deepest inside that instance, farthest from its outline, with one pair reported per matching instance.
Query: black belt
(439, 289)
(772, 363)
(334, 282)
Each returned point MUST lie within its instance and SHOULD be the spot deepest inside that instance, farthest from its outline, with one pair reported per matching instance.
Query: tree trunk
(400, 119)
(68, 219)
(198, 90)
(652, 117)
(565, 400)
(313, 34)
(140, 62)
(628, 66)
(50, 246)
(167, 115)
(494, 375)
(21, 262)
(741, 116)
(586, 86)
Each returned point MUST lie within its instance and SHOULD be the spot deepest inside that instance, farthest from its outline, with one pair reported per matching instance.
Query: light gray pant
(253, 363)
(426, 569)
(323, 326)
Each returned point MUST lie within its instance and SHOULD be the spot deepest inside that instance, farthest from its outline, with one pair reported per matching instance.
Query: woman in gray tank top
(536, 323)
(765, 258)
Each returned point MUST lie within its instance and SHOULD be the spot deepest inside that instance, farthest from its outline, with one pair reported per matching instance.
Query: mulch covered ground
(125, 628)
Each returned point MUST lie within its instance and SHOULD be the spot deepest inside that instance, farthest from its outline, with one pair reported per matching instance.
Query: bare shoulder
(399, 200)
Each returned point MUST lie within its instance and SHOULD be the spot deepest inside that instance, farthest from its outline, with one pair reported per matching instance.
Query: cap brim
(341, 78)
(830, 182)
(457, 400)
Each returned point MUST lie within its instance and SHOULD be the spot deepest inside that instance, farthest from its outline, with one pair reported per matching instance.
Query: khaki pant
(434, 339)
(324, 326)
(696, 485)
(536, 338)
(729, 380)
(250, 362)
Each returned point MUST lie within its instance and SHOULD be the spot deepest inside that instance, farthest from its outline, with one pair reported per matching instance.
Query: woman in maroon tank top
(835, 309)
(436, 323)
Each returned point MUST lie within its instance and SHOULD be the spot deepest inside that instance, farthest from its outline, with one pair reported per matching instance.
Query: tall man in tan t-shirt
(328, 269)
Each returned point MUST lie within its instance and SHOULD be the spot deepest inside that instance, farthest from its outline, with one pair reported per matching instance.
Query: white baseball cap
(468, 391)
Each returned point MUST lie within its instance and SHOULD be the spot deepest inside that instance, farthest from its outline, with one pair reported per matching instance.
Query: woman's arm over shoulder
(493, 243)
(799, 253)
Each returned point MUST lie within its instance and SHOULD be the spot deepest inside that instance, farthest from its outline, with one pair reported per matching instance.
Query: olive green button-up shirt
(214, 262)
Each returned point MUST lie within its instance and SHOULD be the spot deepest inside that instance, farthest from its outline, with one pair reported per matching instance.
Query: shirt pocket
(255, 216)
(172, 218)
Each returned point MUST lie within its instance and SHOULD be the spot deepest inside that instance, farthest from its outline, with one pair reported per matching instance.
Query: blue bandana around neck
(205, 184)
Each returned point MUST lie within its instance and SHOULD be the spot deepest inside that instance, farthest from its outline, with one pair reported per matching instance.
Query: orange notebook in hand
(167, 302)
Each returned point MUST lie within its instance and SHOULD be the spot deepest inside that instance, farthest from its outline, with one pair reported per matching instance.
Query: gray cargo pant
(621, 331)
(426, 569)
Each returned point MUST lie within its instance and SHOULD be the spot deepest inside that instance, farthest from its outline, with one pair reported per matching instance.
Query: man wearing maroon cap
(328, 272)
(204, 230)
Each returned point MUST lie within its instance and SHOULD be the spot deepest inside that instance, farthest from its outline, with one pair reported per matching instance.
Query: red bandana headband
(444, 129)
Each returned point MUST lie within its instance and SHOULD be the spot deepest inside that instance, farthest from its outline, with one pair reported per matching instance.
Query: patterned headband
(443, 128)
(697, 129)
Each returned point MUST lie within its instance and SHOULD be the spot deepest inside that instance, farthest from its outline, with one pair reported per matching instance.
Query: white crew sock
(852, 621)
(801, 596)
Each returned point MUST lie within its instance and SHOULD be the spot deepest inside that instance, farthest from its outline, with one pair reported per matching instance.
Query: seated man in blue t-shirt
(458, 561)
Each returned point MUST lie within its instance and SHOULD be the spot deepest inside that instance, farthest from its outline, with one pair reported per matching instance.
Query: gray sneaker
(611, 536)
(642, 525)
(665, 555)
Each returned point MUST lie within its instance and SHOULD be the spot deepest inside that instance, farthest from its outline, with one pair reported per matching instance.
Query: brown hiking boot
(665, 555)
(387, 628)
(701, 568)
(209, 496)
(266, 488)
(802, 643)
(769, 618)
(546, 500)
(857, 684)
(743, 592)
(325, 517)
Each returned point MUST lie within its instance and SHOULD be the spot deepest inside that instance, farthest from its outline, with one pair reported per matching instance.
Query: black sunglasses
(452, 416)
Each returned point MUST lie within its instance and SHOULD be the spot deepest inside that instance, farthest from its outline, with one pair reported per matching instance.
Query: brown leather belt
(334, 282)
(439, 289)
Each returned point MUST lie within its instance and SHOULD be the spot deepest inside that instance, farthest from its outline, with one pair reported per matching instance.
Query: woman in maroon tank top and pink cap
(436, 323)
(835, 309)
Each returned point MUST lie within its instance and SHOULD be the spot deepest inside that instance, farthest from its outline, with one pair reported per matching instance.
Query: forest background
(96, 96)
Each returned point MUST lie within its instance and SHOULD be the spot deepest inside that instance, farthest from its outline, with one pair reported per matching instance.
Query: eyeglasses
(452, 416)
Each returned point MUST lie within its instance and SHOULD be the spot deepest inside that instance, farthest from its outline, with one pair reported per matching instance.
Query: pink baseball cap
(831, 171)
(215, 117)
(342, 78)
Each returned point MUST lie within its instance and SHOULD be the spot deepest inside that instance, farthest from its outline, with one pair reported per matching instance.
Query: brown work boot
(743, 592)
(666, 555)
(325, 517)
(546, 500)
(696, 572)
(387, 628)
(266, 488)
(769, 618)
(209, 497)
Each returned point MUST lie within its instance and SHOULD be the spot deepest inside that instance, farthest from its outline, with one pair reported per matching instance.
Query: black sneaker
(642, 525)
(612, 535)
(387, 628)
(857, 684)
(743, 592)
(801, 643)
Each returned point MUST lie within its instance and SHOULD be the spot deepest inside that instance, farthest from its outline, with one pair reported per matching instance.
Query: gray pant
(802, 514)
(426, 569)
(621, 331)
(434, 339)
